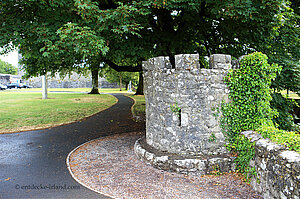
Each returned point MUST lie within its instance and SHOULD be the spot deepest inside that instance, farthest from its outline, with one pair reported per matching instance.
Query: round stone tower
(182, 114)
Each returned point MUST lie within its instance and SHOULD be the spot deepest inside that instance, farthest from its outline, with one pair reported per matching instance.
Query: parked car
(26, 86)
(3, 87)
(14, 85)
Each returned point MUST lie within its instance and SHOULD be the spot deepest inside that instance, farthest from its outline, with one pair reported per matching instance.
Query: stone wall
(73, 81)
(198, 92)
(8, 78)
(278, 169)
(4, 79)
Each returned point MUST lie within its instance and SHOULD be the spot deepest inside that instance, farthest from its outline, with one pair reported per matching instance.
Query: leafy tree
(123, 78)
(139, 29)
(284, 106)
(283, 48)
(32, 25)
(7, 68)
(66, 35)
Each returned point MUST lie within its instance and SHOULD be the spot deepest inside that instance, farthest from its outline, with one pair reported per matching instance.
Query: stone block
(218, 58)
(290, 156)
(227, 59)
(220, 61)
(252, 136)
(276, 169)
(184, 119)
(187, 61)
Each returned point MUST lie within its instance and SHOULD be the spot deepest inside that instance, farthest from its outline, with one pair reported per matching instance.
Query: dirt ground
(110, 167)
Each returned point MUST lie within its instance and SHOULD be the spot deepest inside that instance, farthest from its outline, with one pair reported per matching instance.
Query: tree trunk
(140, 89)
(95, 74)
(44, 87)
(120, 83)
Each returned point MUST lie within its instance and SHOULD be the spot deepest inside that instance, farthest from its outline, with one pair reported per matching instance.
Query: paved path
(37, 158)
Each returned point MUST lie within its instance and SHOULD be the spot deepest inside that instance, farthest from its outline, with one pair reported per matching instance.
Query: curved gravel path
(110, 167)
(32, 164)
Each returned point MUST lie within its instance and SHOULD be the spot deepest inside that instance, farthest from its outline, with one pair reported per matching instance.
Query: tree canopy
(7, 68)
(123, 78)
(64, 35)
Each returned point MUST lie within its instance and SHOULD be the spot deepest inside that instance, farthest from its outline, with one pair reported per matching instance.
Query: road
(33, 163)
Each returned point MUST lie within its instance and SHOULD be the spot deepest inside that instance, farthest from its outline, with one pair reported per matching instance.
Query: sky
(11, 58)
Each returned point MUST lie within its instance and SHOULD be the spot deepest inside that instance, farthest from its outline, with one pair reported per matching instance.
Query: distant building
(8, 78)
(75, 80)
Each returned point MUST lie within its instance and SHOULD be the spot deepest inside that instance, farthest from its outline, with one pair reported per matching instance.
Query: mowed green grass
(20, 111)
(139, 107)
(102, 90)
(292, 95)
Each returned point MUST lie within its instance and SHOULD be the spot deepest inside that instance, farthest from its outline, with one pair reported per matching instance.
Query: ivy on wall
(288, 139)
(249, 106)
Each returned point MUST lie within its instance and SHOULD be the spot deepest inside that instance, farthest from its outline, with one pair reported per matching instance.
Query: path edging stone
(71, 172)
(199, 165)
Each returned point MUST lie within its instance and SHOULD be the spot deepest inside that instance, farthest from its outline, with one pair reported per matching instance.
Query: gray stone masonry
(278, 169)
(4, 79)
(190, 140)
(74, 80)
(200, 165)
(198, 92)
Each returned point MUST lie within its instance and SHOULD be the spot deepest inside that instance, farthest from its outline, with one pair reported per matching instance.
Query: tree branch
(118, 68)
(112, 4)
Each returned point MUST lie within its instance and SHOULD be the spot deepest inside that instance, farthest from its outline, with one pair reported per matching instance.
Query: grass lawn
(140, 106)
(20, 111)
(102, 90)
(292, 95)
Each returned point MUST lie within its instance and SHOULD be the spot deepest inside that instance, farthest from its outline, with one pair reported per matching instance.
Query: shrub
(284, 106)
(249, 106)
(289, 139)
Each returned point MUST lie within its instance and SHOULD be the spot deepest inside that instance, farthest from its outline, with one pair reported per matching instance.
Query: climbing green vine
(212, 138)
(248, 107)
(175, 109)
(289, 139)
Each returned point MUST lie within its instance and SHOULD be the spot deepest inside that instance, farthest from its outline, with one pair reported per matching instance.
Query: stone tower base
(198, 165)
